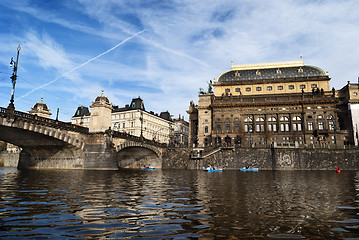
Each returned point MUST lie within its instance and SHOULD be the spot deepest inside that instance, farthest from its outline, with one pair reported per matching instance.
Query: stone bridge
(47, 143)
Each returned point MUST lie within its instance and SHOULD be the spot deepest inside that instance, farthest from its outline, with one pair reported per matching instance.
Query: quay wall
(268, 159)
(179, 158)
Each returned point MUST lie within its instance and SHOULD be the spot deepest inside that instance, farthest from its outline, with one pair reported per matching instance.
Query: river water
(178, 204)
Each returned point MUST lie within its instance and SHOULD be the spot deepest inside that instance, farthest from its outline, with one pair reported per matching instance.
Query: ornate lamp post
(13, 64)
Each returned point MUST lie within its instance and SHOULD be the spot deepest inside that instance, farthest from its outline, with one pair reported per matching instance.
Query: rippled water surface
(178, 204)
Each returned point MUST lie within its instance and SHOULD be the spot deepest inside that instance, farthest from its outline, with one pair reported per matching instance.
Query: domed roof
(248, 72)
(40, 109)
(40, 106)
(102, 98)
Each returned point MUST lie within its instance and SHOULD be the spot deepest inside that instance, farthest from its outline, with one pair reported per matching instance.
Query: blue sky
(163, 51)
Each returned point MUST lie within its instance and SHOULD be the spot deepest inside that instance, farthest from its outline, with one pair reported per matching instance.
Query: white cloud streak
(81, 65)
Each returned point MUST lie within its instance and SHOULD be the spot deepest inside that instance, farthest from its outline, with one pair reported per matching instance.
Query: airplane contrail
(81, 65)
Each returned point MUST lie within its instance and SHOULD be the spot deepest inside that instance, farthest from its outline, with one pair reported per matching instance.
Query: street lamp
(13, 64)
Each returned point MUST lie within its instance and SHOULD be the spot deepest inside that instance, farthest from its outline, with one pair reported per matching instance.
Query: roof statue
(210, 85)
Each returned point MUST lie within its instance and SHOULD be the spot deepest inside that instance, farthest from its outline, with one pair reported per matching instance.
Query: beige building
(274, 104)
(132, 119)
(180, 131)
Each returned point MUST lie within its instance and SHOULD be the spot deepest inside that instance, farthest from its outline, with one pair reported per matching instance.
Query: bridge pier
(99, 153)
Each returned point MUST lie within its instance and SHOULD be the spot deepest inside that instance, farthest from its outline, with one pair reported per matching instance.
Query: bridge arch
(21, 125)
(46, 143)
(138, 154)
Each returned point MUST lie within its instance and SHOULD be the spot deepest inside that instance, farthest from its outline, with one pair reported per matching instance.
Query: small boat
(147, 168)
(249, 169)
(211, 169)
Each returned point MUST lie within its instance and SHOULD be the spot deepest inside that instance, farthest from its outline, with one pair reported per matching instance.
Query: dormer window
(300, 70)
(279, 71)
(237, 74)
(258, 73)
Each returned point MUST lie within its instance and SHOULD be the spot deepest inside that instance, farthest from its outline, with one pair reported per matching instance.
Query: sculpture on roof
(210, 89)
(210, 85)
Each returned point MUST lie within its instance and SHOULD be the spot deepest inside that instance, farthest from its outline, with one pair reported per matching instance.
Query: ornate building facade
(180, 131)
(275, 104)
(132, 119)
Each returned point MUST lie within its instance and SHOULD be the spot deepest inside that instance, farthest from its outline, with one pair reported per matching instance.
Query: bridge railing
(137, 139)
(46, 121)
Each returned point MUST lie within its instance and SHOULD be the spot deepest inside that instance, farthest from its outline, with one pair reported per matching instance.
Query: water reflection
(178, 204)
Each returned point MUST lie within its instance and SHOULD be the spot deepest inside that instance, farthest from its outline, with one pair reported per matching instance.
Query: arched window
(260, 119)
(330, 117)
(297, 118)
(272, 119)
(284, 118)
(248, 119)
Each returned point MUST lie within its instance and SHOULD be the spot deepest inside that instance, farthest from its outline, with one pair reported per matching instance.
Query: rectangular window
(269, 88)
(287, 127)
(238, 89)
(299, 127)
(248, 89)
(270, 128)
(258, 128)
(310, 126)
(331, 125)
(294, 127)
(302, 86)
(236, 127)
(320, 125)
(259, 89)
(291, 87)
(228, 127)
(227, 90)
(123, 125)
(280, 87)
(218, 127)
(314, 85)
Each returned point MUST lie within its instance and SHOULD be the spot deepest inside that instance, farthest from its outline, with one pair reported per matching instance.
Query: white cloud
(187, 43)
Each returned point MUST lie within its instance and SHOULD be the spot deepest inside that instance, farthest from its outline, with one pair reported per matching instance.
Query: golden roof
(297, 63)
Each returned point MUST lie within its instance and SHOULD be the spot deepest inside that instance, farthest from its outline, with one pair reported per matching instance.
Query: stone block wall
(99, 153)
(177, 158)
(268, 159)
(9, 159)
